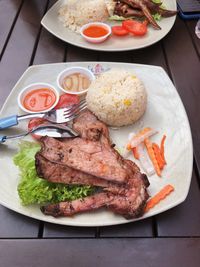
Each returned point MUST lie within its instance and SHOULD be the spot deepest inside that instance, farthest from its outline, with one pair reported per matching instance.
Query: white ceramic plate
(51, 22)
(163, 101)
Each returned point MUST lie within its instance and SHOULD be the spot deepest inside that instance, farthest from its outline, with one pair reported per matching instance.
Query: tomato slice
(135, 27)
(119, 30)
(66, 100)
(34, 123)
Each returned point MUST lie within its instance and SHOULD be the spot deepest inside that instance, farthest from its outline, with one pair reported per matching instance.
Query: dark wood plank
(19, 50)
(8, 15)
(191, 24)
(183, 220)
(49, 48)
(79, 54)
(14, 61)
(101, 252)
(57, 231)
(152, 55)
(14, 225)
(135, 229)
(184, 66)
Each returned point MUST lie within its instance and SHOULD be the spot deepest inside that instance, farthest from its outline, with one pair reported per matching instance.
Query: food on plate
(119, 30)
(134, 27)
(148, 9)
(77, 13)
(38, 97)
(137, 28)
(75, 80)
(117, 97)
(34, 190)
(124, 187)
(152, 158)
(95, 32)
(67, 100)
(163, 193)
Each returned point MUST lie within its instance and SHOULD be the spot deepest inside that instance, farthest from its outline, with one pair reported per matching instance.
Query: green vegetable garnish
(118, 18)
(157, 17)
(34, 190)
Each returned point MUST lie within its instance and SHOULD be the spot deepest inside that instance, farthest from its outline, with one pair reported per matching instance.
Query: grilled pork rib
(57, 173)
(73, 162)
(128, 200)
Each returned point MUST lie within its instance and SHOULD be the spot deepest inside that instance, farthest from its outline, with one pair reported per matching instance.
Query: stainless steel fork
(55, 116)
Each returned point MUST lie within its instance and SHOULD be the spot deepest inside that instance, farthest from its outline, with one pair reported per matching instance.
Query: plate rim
(43, 23)
(151, 213)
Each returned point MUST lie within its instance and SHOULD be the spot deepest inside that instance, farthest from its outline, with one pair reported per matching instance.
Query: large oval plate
(163, 100)
(51, 22)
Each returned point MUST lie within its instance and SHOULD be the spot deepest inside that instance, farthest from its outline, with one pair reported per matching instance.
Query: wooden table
(170, 239)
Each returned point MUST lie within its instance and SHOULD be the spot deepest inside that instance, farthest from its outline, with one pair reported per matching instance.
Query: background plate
(51, 22)
(163, 100)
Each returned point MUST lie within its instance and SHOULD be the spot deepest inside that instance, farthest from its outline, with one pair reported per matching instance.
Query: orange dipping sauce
(95, 31)
(39, 99)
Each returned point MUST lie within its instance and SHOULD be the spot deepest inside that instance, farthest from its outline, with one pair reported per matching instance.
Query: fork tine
(74, 109)
(69, 108)
(74, 115)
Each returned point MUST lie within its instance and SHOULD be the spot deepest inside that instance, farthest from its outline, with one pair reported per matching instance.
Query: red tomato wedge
(119, 30)
(135, 27)
(67, 100)
(34, 123)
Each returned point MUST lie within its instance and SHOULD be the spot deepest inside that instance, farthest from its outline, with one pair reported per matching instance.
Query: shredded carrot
(159, 158)
(128, 147)
(152, 156)
(159, 196)
(140, 133)
(162, 148)
(135, 153)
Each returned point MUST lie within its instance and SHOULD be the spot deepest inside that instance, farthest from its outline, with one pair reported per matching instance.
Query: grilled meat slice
(130, 202)
(89, 127)
(77, 206)
(95, 158)
(142, 5)
(126, 11)
(127, 200)
(57, 173)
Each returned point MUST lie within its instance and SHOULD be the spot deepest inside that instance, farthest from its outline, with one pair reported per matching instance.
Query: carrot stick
(159, 196)
(135, 153)
(162, 148)
(158, 155)
(152, 156)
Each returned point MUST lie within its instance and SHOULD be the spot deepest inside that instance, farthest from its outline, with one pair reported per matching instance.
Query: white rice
(117, 97)
(76, 13)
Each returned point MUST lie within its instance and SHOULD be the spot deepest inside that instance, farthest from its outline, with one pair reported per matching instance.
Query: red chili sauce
(95, 31)
(39, 99)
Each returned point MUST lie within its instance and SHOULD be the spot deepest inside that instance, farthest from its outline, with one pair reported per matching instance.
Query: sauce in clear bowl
(95, 32)
(75, 80)
(38, 97)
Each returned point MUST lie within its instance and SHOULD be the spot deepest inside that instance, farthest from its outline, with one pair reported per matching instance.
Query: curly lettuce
(34, 190)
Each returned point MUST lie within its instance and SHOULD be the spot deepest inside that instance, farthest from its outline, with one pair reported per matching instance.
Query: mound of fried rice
(76, 13)
(117, 97)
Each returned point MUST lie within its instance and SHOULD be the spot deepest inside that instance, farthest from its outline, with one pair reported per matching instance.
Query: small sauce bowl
(38, 97)
(95, 32)
(72, 79)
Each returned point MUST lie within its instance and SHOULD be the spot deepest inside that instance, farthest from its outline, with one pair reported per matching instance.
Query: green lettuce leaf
(34, 190)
